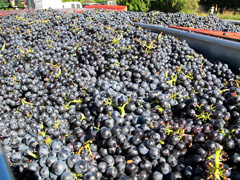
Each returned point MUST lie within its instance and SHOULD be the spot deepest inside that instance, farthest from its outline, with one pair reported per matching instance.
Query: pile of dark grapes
(89, 96)
(184, 20)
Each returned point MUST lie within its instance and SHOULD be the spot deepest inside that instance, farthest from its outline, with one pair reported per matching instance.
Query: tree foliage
(136, 5)
(4, 4)
(191, 6)
(169, 5)
(19, 5)
(186, 6)
(161, 5)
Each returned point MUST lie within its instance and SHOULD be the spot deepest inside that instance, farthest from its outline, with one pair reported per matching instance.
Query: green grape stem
(4, 45)
(33, 155)
(160, 109)
(173, 80)
(117, 40)
(204, 116)
(82, 117)
(59, 73)
(215, 167)
(67, 106)
(148, 47)
(86, 146)
(120, 108)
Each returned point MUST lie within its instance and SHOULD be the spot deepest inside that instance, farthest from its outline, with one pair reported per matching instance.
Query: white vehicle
(89, 4)
(46, 4)
(109, 3)
(55, 4)
(72, 5)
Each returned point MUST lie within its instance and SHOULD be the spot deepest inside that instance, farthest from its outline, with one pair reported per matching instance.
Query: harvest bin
(214, 49)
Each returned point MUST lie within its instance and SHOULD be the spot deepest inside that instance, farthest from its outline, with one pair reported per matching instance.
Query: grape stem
(33, 155)
(120, 108)
(215, 168)
(67, 106)
(3, 47)
(86, 146)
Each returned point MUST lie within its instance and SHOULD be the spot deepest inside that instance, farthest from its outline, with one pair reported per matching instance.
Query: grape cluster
(90, 96)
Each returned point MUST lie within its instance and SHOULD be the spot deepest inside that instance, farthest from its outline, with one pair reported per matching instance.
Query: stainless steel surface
(237, 22)
(5, 172)
(214, 49)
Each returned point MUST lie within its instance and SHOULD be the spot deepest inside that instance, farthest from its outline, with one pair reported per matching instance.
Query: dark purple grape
(80, 167)
(157, 176)
(102, 166)
(172, 160)
(44, 172)
(154, 153)
(146, 165)
(142, 149)
(51, 160)
(33, 167)
(16, 157)
(111, 172)
(56, 145)
(131, 168)
(188, 171)
(165, 168)
(58, 167)
(72, 159)
(67, 175)
(43, 150)
(63, 155)
(105, 133)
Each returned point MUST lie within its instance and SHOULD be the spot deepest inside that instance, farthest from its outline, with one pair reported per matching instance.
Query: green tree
(19, 5)
(169, 5)
(191, 6)
(4, 4)
(187, 6)
(136, 5)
